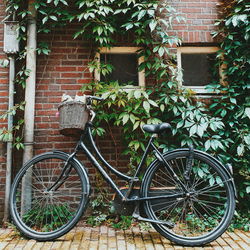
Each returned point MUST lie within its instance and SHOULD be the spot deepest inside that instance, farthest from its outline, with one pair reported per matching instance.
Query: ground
(103, 238)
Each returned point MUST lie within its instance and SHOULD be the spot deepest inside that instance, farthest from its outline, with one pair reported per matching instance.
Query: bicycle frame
(130, 179)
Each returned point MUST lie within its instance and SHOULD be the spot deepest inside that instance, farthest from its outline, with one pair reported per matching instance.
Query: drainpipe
(29, 112)
(9, 143)
(30, 84)
(11, 47)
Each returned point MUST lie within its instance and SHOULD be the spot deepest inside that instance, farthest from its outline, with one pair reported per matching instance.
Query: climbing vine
(233, 107)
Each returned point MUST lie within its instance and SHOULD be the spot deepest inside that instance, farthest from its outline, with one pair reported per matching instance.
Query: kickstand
(136, 215)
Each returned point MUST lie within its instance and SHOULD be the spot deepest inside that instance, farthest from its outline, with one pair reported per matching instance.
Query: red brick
(70, 87)
(65, 68)
(191, 10)
(71, 75)
(42, 87)
(65, 81)
(71, 62)
(83, 81)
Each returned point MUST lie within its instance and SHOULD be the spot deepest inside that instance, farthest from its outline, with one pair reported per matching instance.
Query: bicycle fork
(63, 176)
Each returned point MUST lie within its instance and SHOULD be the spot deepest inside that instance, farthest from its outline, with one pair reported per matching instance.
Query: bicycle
(187, 195)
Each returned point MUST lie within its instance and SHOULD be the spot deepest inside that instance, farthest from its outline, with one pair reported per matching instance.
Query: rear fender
(225, 168)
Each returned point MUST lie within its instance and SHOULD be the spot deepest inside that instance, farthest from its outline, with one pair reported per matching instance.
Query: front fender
(76, 161)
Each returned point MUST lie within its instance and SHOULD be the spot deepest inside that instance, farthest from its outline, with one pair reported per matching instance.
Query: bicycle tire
(46, 215)
(197, 219)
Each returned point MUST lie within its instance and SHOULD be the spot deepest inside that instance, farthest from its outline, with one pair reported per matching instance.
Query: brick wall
(3, 108)
(200, 16)
(65, 71)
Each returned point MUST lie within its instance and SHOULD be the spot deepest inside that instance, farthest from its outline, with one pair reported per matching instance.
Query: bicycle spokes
(203, 206)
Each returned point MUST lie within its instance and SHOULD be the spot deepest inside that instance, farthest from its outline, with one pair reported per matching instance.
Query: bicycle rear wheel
(41, 213)
(198, 217)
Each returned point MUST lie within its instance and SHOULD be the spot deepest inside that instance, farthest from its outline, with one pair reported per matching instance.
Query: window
(125, 62)
(197, 64)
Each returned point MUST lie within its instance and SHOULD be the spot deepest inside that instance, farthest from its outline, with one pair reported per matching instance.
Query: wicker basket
(73, 117)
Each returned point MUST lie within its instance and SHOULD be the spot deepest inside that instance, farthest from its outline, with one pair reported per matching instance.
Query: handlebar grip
(95, 98)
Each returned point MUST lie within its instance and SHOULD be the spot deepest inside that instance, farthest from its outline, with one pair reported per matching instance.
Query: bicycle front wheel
(199, 216)
(40, 212)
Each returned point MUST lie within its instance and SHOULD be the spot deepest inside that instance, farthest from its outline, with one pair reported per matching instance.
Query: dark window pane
(125, 68)
(197, 69)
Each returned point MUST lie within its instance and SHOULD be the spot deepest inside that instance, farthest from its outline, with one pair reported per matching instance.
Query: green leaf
(53, 18)
(152, 25)
(45, 19)
(247, 139)
(137, 94)
(200, 130)
(218, 180)
(146, 106)
(132, 118)
(125, 118)
(137, 123)
(233, 100)
(105, 95)
(129, 26)
(153, 103)
(247, 112)
(211, 181)
(161, 51)
(207, 145)
(223, 113)
(141, 14)
(240, 149)
(188, 124)
(193, 130)
(180, 124)
(162, 107)
(200, 172)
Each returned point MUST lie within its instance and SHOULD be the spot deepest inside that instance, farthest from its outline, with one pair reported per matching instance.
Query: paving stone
(234, 236)
(105, 238)
(243, 236)
(231, 243)
(56, 245)
(244, 245)
(3, 245)
(112, 242)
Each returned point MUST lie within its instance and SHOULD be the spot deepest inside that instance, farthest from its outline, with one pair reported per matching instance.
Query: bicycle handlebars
(91, 97)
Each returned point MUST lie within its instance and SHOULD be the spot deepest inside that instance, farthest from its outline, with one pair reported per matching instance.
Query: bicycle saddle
(157, 128)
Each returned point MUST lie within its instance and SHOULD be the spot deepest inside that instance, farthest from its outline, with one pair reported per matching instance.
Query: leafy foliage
(8, 134)
(233, 106)
(53, 216)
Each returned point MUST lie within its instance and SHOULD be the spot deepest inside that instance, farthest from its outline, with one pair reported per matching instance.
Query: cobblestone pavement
(103, 238)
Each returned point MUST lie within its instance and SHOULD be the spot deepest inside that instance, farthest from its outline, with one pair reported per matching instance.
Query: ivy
(233, 107)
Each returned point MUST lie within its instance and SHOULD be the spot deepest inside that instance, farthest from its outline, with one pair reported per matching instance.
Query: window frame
(196, 50)
(122, 50)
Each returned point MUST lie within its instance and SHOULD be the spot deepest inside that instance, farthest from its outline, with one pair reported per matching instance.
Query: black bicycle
(187, 195)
